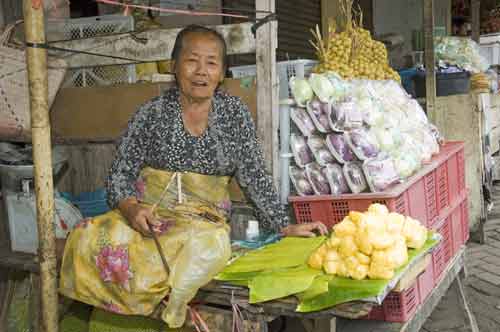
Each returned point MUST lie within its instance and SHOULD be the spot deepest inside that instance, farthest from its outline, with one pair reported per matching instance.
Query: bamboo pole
(36, 59)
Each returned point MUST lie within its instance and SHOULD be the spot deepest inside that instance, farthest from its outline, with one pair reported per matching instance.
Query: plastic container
(446, 84)
(377, 313)
(425, 282)
(285, 70)
(418, 197)
(400, 306)
(465, 221)
(443, 253)
(491, 52)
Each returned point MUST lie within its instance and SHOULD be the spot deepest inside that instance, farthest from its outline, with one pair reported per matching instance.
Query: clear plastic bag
(317, 178)
(320, 151)
(363, 143)
(300, 181)
(303, 121)
(462, 52)
(380, 173)
(355, 178)
(300, 150)
(322, 87)
(318, 111)
(336, 179)
(301, 91)
(205, 253)
(344, 116)
(339, 148)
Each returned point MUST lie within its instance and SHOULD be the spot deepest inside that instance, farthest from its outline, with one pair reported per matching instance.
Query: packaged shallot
(317, 178)
(344, 116)
(337, 145)
(319, 150)
(303, 121)
(355, 178)
(380, 173)
(363, 143)
(300, 181)
(318, 111)
(336, 179)
(300, 150)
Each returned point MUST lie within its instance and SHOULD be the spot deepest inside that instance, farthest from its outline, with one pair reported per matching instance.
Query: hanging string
(171, 11)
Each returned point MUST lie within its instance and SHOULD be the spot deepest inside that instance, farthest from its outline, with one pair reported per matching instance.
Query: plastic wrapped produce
(462, 52)
(318, 111)
(380, 173)
(320, 151)
(356, 181)
(301, 152)
(344, 116)
(322, 87)
(385, 139)
(336, 179)
(363, 143)
(303, 121)
(300, 181)
(301, 91)
(340, 87)
(339, 148)
(317, 178)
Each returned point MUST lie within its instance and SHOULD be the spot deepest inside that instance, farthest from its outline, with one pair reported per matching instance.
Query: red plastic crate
(443, 253)
(377, 313)
(424, 196)
(400, 306)
(425, 282)
(456, 228)
(465, 221)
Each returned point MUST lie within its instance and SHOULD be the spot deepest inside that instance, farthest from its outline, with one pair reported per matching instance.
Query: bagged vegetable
(336, 180)
(363, 143)
(343, 116)
(320, 151)
(301, 91)
(300, 181)
(322, 87)
(461, 52)
(301, 152)
(380, 173)
(318, 111)
(354, 176)
(339, 148)
(302, 120)
(317, 177)
(340, 87)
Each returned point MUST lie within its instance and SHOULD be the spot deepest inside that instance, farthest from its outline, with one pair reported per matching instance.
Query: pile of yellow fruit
(352, 53)
(369, 245)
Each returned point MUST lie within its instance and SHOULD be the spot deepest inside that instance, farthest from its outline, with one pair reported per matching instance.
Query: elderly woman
(171, 171)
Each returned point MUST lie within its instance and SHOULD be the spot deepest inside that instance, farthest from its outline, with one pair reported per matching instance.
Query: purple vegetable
(316, 176)
(320, 150)
(303, 121)
(381, 173)
(300, 181)
(301, 152)
(363, 145)
(336, 179)
(355, 178)
(339, 148)
(318, 112)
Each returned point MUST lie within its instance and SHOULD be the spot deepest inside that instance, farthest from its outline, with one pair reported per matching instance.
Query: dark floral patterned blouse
(156, 137)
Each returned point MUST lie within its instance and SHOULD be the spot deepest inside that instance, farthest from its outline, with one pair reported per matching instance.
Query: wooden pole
(476, 20)
(430, 81)
(36, 59)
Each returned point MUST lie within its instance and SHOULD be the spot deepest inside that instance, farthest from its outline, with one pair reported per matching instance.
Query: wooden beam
(476, 19)
(36, 60)
(147, 46)
(267, 88)
(430, 81)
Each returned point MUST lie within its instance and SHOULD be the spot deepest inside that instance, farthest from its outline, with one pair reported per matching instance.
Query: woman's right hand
(139, 216)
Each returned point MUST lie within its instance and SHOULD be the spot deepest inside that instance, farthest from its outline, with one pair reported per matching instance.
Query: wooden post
(476, 19)
(430, 81)
(36, 59)
(267, 88)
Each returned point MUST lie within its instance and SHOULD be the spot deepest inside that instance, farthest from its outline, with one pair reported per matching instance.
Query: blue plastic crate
(90, 204)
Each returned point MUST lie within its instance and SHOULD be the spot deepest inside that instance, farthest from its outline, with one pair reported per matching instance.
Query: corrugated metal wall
(295, 19)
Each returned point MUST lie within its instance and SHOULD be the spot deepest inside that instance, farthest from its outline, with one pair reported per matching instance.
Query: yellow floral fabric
(109, 265)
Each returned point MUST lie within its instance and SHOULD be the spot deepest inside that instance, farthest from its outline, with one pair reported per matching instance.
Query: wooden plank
(18, 261)
(476, 19)
(423, 312)
(430, 81)
(147, 46)
(267, 88)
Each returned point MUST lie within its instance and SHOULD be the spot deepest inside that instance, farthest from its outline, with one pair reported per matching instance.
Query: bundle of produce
(369, 245)
(480, 83)
(460, 51)
(350, 51)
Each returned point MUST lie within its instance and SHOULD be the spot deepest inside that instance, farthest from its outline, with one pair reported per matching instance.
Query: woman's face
(200, 66)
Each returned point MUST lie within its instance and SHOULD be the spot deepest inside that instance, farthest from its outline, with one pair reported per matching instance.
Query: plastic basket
(491, 52)
(424, 196)
(444, 251)
(85, 27)
(286, 70)
(425, 282)
(400, 306)
(377, 313)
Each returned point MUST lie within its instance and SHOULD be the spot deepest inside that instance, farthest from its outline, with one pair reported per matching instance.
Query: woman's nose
(201, 68)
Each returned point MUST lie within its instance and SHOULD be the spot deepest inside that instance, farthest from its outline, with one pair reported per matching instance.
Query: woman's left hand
(305, 230)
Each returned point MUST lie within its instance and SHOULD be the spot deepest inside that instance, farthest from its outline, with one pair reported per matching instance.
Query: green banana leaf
(341, 290)
(289, 252)
(318, 287)
(278, 284)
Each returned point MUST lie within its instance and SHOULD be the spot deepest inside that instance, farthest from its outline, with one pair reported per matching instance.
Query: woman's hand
(139, 216)
(305, 230)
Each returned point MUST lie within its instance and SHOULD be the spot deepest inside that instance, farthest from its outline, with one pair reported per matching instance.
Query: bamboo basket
(15, 116)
